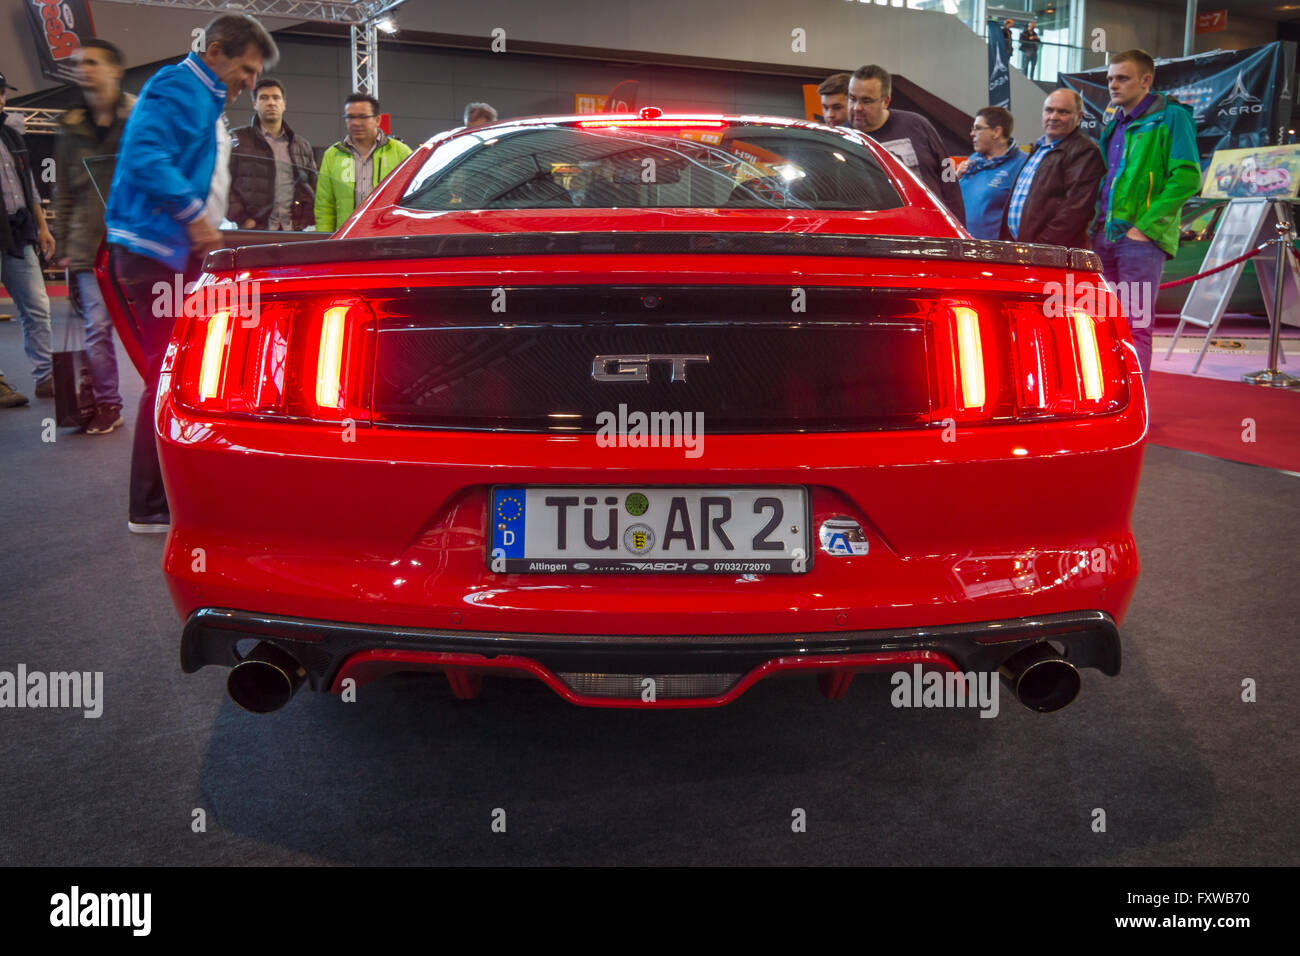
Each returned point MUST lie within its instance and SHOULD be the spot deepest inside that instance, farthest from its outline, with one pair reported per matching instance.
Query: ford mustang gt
(649, 407)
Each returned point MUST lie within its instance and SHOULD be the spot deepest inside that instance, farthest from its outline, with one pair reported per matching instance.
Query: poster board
(1257, 172)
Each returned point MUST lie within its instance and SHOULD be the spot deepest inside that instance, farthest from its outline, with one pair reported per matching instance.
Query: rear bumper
(608, 670)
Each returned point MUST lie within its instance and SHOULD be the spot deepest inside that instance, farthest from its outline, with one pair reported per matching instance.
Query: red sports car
(649, 407)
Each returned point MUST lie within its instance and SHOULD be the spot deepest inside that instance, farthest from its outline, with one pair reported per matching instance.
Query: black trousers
(137, 276)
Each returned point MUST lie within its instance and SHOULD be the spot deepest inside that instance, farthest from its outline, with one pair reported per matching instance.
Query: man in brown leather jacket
(1054, 198)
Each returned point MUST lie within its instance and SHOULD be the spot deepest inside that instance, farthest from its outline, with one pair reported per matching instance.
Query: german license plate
(655, 529)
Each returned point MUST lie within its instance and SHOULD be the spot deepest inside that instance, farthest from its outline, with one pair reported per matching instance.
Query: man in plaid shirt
(1054, 198)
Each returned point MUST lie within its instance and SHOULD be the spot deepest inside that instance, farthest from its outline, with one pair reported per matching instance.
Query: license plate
(675, 530)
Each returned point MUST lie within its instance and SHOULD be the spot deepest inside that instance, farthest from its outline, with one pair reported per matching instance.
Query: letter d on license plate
(648, 529)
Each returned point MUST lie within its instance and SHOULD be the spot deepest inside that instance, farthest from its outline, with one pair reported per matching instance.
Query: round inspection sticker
(639, 538)
(636, 504)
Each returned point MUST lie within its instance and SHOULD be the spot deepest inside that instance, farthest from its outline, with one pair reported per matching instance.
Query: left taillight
(302, 359)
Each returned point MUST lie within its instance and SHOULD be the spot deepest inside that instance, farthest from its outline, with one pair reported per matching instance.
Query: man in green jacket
(352, 168)
(1152, 169)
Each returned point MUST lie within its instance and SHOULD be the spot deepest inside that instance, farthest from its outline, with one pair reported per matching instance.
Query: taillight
(1019, 361)
(303, 359)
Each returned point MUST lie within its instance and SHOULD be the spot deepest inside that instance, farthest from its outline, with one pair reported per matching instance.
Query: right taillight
(1023, 361)
(1068, 364)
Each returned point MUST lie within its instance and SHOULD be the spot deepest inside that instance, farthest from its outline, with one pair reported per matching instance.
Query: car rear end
(862, 447)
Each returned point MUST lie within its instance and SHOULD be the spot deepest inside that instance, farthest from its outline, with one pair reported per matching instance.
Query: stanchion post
(1285, 231)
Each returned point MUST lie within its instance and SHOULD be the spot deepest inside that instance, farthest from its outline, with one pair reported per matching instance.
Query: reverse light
(970, 353)
(1085, 337)
(214, 354)
(329, 360)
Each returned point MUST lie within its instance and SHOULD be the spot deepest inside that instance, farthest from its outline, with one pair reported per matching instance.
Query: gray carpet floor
(1185, 771)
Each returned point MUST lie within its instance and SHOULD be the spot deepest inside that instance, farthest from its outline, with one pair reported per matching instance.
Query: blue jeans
(1134, 267)
(100, 353)
(22, 277)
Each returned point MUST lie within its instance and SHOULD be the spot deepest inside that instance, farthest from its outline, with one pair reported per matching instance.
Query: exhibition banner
(60, 27)
(999, 75)
(1240, 97)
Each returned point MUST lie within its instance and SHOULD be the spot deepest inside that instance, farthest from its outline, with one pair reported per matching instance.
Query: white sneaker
(149, 527)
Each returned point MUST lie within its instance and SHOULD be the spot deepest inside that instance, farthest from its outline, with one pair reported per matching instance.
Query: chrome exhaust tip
(265, 679)
(1041, 679)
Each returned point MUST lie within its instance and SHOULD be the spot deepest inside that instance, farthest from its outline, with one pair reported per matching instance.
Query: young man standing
(987, 176)
(1152, 169)
(272, 168)
(168, 197)
(93, 129)
(909, 136)
(834, 94)
(352, 168)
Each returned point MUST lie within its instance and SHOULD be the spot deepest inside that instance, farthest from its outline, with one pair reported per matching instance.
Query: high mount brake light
(305, 360)
(652, 123)
(1018, 361)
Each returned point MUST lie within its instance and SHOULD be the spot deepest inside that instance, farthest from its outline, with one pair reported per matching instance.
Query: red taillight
(1019, 361)
(305, 359)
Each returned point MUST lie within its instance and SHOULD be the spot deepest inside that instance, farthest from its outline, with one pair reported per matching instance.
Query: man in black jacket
(272, 169)
(1054, 198)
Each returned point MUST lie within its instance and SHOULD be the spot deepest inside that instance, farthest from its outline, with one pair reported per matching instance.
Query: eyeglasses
(871, 102)
(979, 129)
(352, 116)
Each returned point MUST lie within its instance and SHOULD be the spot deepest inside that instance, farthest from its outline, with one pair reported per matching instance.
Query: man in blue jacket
(168, 197)
(987, 176)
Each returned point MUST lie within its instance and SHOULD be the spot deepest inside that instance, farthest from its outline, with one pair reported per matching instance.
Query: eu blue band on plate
(507, 518)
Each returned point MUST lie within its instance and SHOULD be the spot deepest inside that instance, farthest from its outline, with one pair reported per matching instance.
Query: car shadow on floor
(408, 775)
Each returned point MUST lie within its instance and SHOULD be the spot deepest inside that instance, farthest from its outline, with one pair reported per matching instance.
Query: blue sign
(507, 521)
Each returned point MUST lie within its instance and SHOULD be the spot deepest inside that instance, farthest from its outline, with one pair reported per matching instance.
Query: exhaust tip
(1041, 679)
(265, 680)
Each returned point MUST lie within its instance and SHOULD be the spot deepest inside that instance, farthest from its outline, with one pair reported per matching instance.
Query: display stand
(1281, 271)
(1239, 231)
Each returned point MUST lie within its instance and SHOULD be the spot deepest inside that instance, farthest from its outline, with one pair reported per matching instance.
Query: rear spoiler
(321, 251)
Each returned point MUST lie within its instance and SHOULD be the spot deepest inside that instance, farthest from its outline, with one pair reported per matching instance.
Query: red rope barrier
(1227, 265)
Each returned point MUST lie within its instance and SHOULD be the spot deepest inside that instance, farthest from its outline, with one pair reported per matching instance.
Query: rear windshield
(741, 166)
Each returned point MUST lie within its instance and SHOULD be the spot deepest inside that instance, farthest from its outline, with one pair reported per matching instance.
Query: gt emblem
(636, 368)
